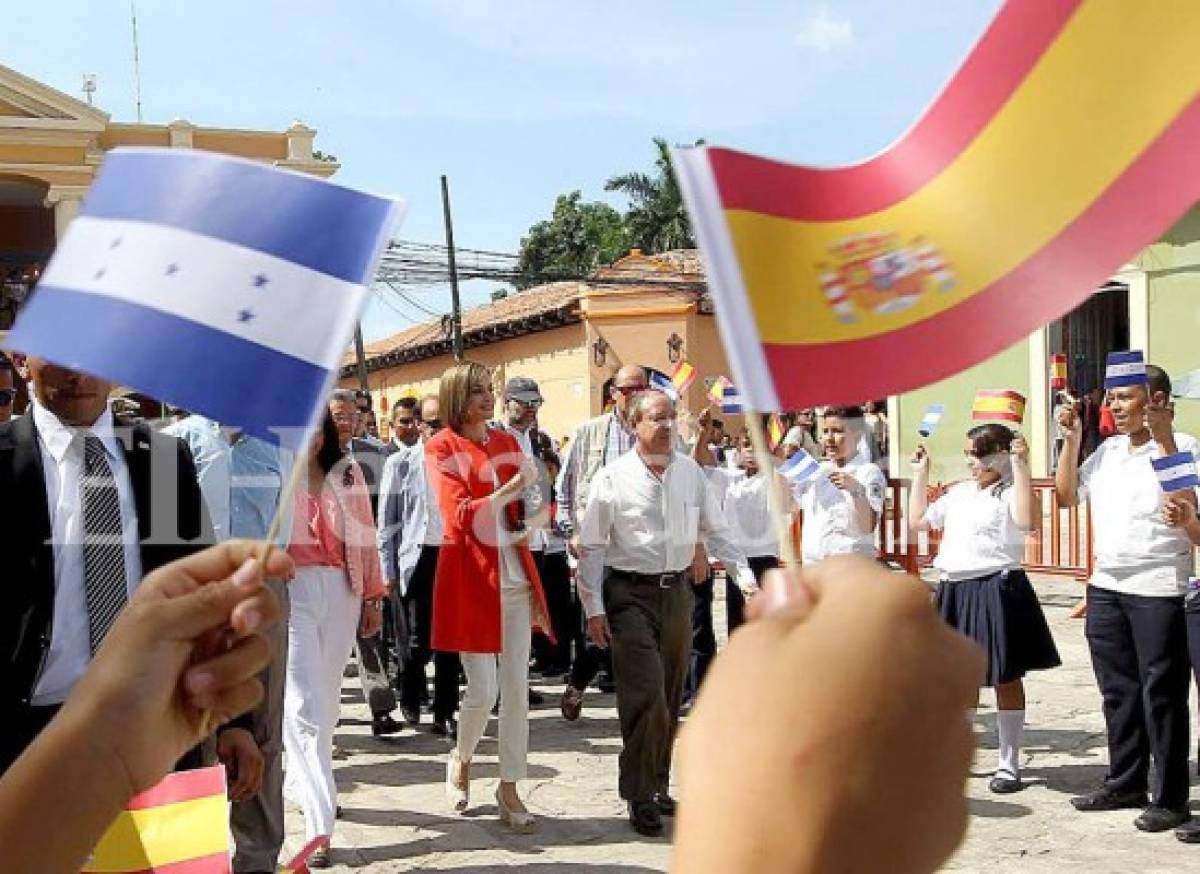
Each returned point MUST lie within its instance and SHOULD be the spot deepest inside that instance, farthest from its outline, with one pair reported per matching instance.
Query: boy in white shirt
(1135, 619)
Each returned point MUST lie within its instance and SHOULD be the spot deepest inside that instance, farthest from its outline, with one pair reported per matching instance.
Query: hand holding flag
(1176, 472)
(931, 419)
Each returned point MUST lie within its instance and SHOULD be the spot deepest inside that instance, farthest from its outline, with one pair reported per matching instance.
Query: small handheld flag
(731, 401)
(683, 376)
(664, 385)
(1058, 371)
(998, 405)
(225, 286)
(716, 391)
(931, 419)
(299, 865)
(868, 263)
(801, 467)
(1176, 472)
(1125, 368)
(180, 824)
(775, 431)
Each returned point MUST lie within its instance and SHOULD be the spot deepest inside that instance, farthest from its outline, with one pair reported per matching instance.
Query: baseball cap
(522, 388)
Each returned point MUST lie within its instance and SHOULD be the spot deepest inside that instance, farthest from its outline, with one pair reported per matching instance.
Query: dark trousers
(704, 636)
(257, 823)
(650, 637)
(735, 601)
(589, 659)
(1139, 654)
(555, 574)
(1191, 614)
(418, 607)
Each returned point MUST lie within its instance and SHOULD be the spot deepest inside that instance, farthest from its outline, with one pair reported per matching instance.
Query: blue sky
(515, 100)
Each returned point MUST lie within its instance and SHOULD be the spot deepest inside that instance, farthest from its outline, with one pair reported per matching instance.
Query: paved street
(396, 819)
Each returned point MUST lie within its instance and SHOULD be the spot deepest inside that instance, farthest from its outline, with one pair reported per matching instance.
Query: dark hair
(844, 412)
(331, 452)
(1158, 381)
(6, 363)
(989, 439)
(408, 402)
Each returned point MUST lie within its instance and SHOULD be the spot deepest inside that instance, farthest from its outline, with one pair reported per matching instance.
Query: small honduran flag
(931, 419)
(801, 467)
(998, 405)
(665, 385)
(731, 401)
(1125, 368)
(1058, 371)
(1176, 472)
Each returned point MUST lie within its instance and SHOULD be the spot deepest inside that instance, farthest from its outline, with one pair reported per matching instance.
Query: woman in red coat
(486, 594)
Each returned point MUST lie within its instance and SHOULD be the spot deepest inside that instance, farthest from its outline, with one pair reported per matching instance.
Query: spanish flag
(775, 431)
(1066, 142)
(716, 391)
(180, 826)
(998, 405)
(1058, 371)
(683, 376)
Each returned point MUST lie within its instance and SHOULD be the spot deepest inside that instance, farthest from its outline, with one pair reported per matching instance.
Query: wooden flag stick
(775, 494)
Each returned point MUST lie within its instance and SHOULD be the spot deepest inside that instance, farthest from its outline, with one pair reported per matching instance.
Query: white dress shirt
(1136, 552)
(638, 523)
(745, 501)
(62, 464)
(980, 532)
(830, 525)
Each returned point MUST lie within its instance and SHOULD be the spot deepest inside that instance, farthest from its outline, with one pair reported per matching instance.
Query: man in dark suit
(88, 509)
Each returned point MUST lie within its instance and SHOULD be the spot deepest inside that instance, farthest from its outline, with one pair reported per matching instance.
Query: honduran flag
(221, 285)
(664, 384)
(800, 468)
(1176, 472)
(931, 419)
(731, 401)
(1068, 138)
(179, 826)
(1125, 368)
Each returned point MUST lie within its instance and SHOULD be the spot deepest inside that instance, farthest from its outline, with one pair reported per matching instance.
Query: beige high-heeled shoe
(520, 821)
(458, 796)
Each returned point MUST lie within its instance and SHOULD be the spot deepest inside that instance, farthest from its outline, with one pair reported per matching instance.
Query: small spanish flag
(998, 405)
(716, 391)
(180, 826)
(1058, 371)
(775, 431)
(683, 376)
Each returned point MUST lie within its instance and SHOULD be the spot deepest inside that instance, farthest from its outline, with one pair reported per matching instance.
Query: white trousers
(322, 623)
(506, 675)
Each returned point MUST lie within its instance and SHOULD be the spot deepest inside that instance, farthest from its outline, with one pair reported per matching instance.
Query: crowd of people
(474, 549)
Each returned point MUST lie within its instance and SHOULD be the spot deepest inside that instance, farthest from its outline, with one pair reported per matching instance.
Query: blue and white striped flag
(801, 467)
(731, 401)
(1176, 472)
(663, 384)
(224, 286)
(1125, 368)
(933, 416)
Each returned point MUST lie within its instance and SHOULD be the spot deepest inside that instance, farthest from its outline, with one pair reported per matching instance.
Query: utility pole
(456, 307)
(361, 354)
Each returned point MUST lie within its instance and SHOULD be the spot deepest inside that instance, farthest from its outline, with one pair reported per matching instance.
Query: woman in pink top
(338, 589)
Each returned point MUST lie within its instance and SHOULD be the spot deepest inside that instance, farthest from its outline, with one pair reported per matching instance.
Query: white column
(1139, 308)
(65, 203)
(1037, 408)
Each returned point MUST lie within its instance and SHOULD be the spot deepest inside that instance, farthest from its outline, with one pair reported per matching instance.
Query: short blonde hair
(455, 390)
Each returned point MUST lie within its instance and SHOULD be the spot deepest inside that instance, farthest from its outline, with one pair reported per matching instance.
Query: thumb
(211, 606)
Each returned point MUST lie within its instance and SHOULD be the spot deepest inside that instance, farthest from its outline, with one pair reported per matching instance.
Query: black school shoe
(445, 728)
(1190, 832)
(645, 819)
(1107, 799)
(383, 724)
(666, 804)
(1160, 819)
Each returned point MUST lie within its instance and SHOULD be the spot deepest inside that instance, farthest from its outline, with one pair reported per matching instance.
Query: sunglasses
(628, 390)
(434, 424)
(533, 405)
(6, 396)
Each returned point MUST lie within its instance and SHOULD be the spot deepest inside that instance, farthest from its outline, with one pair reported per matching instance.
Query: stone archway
(27, 236)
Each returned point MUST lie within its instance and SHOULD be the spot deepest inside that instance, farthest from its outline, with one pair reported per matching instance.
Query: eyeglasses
(6, 396)
(405, 423)
(628, 390)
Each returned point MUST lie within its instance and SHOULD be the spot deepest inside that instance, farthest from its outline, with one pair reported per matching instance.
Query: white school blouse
(829, 526)
(980, 535)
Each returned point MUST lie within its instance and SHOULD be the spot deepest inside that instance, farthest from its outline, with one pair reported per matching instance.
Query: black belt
(663, 581)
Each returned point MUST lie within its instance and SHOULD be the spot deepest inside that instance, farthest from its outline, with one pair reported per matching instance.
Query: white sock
(1011, 726)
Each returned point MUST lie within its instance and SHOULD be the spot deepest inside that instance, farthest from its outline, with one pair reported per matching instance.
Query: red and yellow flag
(775, 431)
(683, 376)
(716, 391)
(1058, 371)
(998, 405)
(1065, 143)
(180, 826)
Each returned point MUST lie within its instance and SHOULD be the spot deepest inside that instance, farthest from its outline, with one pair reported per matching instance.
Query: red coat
(466, 589)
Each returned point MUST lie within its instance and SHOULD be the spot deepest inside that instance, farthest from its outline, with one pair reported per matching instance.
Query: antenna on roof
(137, 69)
(89, 86)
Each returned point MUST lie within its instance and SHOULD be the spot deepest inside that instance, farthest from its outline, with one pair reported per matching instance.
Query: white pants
(506, 675)
(322, 623)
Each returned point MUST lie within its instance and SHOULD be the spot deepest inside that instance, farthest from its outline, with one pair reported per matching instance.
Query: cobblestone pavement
(396, 819)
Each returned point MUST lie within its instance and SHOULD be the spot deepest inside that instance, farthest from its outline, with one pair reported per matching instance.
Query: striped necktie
(103, 549)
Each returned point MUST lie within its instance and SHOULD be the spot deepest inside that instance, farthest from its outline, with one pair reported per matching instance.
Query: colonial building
(51, 146)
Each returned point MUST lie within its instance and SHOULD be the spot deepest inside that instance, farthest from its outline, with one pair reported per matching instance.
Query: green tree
(576, 239)
(656, 220)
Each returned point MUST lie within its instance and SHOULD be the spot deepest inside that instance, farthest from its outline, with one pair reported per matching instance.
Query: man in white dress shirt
(646, 512)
